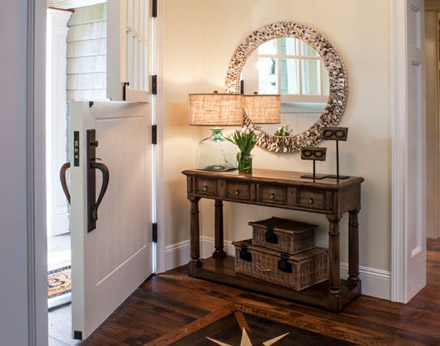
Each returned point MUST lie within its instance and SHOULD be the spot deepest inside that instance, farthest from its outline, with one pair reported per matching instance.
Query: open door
(111, 208)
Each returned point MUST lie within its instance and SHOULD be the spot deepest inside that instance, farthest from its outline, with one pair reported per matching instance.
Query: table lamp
(215, 153)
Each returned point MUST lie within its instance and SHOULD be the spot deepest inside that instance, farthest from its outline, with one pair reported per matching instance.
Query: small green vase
(244, 162)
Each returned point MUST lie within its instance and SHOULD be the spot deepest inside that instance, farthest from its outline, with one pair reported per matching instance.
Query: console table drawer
(206, 186)
(311, 199)
(273, 194)
(238, 191)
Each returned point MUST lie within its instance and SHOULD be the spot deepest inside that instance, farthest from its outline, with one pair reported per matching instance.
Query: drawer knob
(311, 200)
(205, 187)
(272, 195)
(237, 191)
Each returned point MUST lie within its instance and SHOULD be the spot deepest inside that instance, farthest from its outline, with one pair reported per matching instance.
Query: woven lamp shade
(215, 109)
(263, 109)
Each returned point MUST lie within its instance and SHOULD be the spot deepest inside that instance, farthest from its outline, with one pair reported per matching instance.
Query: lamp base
(216, 154)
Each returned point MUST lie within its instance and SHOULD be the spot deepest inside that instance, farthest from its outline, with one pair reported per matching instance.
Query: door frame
(37, 322)
(399, 124)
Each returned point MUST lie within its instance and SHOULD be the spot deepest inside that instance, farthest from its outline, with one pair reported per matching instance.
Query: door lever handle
(105, 179)
(63, 171)
(93, 203)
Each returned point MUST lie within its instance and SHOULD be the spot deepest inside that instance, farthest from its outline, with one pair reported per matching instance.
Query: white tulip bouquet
(245, 139)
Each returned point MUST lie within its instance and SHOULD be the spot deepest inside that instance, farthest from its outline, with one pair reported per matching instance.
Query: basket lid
(284, 225)
(299, 257)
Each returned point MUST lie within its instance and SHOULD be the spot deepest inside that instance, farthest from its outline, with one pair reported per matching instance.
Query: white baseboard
(375, 282)
(177, 255)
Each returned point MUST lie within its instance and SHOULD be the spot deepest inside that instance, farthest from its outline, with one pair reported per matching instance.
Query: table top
(269, 175)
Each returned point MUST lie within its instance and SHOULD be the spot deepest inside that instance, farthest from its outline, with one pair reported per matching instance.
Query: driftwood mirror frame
(337, 79)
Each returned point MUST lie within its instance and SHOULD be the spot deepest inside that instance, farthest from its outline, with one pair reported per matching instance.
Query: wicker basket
(294, 271)
(283, 235)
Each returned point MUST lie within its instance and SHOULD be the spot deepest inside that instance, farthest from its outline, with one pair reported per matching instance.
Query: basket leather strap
(245, 255)
(284, 265)
(270, 236)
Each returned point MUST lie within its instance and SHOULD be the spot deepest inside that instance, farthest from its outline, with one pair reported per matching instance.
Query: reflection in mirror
(293, 69)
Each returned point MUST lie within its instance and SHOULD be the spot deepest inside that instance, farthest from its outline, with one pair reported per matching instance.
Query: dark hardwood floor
(171, 305)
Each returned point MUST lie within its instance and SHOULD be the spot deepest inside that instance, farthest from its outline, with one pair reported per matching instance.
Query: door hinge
(154, 237)
(154, 9)
(154, 134)
(154, 84)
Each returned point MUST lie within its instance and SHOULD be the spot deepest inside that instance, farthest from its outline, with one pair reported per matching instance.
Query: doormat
(240, 328)
(59, 282)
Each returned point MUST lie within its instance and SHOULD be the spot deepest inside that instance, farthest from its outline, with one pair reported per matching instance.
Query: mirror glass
(293, 69)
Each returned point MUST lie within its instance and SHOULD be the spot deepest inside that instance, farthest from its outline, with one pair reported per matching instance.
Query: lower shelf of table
(222, 271)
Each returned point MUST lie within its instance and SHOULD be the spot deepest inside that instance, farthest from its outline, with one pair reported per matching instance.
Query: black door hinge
(154, 85)
(154, 237)
(154, 134)
(154, 9)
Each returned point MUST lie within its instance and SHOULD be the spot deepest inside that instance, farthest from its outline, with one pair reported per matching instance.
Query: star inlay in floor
(245, 340)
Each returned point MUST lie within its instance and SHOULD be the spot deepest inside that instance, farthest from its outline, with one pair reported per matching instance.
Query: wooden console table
(279, 189)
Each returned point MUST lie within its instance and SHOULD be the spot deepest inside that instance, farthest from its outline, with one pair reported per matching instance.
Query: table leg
(334, 260)
(353, 246)
(195, 232)
(219, 252)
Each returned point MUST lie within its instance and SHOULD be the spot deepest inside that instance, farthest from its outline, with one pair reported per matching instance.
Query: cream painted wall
(182, 72)
(200, 41)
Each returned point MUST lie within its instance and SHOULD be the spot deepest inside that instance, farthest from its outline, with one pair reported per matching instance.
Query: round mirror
(301, 65)
(293, 69)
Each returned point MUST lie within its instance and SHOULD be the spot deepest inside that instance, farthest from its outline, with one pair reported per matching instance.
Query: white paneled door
(111, 246)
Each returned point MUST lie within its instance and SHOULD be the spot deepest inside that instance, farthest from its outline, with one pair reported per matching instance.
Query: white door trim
(30, 173)
(159, 118)
(36, 173)
(399, 126)
(398, 104)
